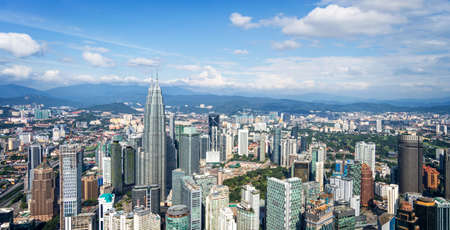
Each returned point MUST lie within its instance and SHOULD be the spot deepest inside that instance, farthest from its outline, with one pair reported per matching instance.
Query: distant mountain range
(88, 95)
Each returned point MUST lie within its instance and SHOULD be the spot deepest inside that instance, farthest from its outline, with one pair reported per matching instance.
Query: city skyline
(348, 48)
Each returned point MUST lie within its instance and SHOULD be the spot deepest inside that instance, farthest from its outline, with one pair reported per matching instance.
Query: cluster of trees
(258, 178)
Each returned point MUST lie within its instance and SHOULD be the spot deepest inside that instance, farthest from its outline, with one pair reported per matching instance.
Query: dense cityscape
(225, 115)
(159, 168)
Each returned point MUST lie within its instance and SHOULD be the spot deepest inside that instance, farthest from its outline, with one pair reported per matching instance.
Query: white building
(319, 174)
(226, 220)
(355, 203)
(250, 200)
(392, 198)
(144, 219)
(70, 170)
(215, 201)
(212, 157)
(106, 170)
(379, 125)
(365, 153)
(243, 142)
(105, 203)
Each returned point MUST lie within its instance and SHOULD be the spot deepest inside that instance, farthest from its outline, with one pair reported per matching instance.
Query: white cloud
(330, 21)
(20, 45)
(240, 52)
(96, 49)
(18, 72)
(97, 59)
(188, 67)
(336, 21)
(144, 62)
(286, 45)
(242, 21)
(381, 5)
(51, 76)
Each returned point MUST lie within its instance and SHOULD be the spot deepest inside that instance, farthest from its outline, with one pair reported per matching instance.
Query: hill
(113, 108)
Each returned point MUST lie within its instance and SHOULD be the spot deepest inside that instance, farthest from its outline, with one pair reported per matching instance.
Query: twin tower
(152, 160)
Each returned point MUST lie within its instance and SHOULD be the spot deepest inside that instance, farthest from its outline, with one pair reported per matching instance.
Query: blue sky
(365, 48)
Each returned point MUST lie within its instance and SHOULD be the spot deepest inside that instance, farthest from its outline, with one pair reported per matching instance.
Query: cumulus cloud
(286, 45)
(242, 21)
(330, 21)
(381, 5)
(144, 62)
(51, 75)
(337, 21)
(19, 45)
(97, 59)
(240, 52)
(17, 72)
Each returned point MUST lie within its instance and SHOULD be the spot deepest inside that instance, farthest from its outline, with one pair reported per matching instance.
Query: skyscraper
(89, 187)
(215, 202)
(190, 151)
(366, 185)
(177, 176)
(262, 149)
(248, 209)
(177, 218)
(283, 205)
(276, 149)
(392, 198)
(70, 164)
(43, 193)
(213, 125)
(129, 164)
(365, 153)
(446, 166)
(226, 219)
(243, 142)
(146, 196)
(34, 159)
(192, 198)
(410, 159)
(153, 159)
(204, 146)
(116, 163)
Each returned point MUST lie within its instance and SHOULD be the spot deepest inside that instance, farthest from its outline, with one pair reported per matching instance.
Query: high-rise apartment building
(283, 206)
(190, 151)
(42, 205)
(70, 166)
(89, 187)
(215, 202)
(392, 198)
(152, 161)
(248, 209)
(410, 159)
(365, 153)
(243, 142)
(106, 170)
(226, 219)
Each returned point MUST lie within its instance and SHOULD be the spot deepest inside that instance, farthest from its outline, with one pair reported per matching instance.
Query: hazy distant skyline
(366, 48)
